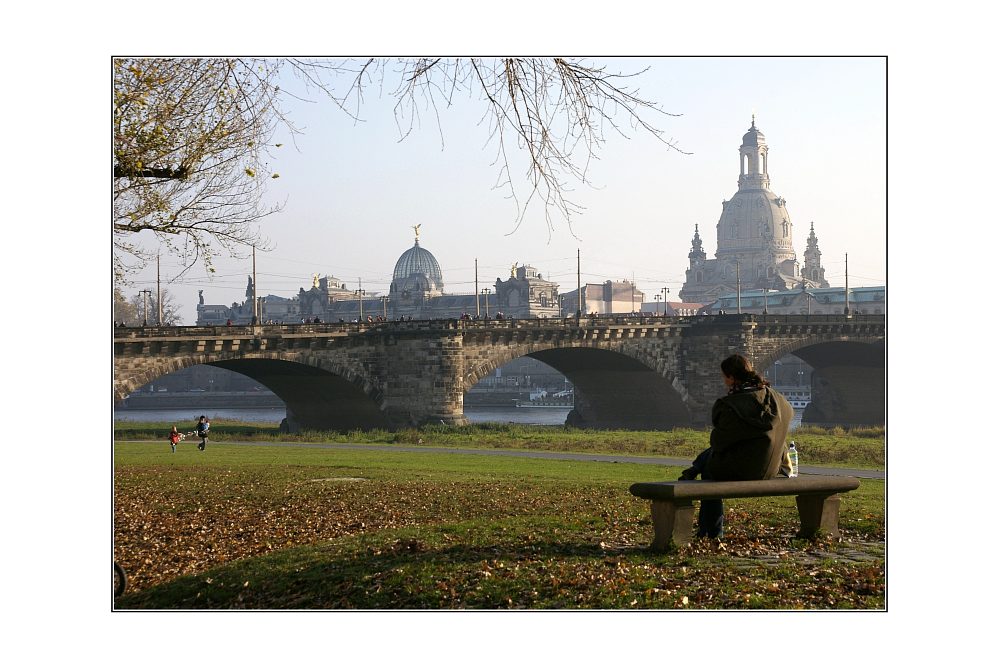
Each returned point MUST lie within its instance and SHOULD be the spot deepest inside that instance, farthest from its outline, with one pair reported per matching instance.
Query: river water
(548, 415)
(540, 415)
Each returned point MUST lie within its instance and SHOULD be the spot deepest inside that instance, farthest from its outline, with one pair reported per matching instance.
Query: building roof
(417, 260)
(875, 293)
(754, 137)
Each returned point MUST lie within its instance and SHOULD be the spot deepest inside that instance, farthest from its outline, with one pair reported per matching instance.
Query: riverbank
(857, 448)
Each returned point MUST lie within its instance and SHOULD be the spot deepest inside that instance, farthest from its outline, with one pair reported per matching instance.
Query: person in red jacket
(174, 438)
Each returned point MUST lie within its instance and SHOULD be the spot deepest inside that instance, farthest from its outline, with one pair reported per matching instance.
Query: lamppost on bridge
(385, 306)
(738, 289)
(360, 301)
(665, 292)
(145, 307)
(846, 289)
(486, 291)
(765, 288)
(658, 297)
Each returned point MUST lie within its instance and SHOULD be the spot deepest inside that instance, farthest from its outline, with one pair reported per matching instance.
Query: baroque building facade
(607, 298)
(416, 292)
(755, 238)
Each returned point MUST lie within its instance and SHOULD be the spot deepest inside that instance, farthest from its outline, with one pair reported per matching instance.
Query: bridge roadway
(628, 372)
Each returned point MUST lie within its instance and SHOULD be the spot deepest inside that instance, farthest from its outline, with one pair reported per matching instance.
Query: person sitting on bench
(749, 426)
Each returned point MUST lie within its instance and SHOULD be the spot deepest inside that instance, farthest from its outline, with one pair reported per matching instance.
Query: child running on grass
(174, 438)
(202, 431)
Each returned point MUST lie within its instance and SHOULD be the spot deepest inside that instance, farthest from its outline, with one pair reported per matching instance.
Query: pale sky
(353, 191)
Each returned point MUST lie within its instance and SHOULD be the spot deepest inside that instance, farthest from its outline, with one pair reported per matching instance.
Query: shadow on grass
(379, 572)
(528, 563)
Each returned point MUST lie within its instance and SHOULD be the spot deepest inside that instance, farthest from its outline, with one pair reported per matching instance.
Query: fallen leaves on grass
(449, 544)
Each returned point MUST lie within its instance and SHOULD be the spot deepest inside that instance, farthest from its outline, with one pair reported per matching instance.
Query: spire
(696, 250)
(813, 270)
(813, 241)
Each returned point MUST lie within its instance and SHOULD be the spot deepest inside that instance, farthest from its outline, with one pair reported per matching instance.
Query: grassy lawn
(860, 448)
(277, 527)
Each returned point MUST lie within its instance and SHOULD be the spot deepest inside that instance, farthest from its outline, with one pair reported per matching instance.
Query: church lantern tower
(755, 236)
(753, 160)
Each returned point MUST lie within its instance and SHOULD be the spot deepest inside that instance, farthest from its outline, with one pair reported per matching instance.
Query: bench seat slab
(731, 489)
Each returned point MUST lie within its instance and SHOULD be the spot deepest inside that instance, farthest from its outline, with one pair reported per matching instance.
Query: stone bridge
(628, 373)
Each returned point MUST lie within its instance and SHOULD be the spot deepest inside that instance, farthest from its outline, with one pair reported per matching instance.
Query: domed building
(416, 292)
(416, 279)
(755, 248)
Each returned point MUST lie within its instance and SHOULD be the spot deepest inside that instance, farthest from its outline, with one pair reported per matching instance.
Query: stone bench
(673, 507)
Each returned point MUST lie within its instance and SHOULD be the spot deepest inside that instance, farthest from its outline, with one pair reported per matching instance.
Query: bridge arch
(616, 386)
(319, 392)
(848, 377)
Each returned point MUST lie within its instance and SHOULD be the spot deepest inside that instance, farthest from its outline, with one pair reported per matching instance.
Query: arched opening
(299, 396)
(608, 390)
(524, 390)
(847, 383)
(792, 376)
(202, 390)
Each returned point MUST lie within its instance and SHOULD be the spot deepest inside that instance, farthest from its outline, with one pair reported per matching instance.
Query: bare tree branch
(191, 136)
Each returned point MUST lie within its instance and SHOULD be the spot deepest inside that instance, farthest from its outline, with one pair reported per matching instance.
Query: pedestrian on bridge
(749, 428)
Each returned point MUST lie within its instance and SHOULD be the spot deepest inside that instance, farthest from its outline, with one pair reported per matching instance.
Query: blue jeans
(711, 514)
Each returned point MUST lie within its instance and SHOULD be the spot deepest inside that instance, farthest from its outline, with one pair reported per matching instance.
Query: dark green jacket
(747, 441)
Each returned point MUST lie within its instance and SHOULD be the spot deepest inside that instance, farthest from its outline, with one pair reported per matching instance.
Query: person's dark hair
(201, 418)
(738, 367)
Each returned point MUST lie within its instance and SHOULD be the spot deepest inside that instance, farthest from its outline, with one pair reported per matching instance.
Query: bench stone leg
(673, 523)
(818, 513)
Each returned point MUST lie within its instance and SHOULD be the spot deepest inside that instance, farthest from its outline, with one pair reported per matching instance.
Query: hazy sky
(352, 191)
